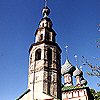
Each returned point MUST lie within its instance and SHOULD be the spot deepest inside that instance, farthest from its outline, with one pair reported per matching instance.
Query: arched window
(38, 54)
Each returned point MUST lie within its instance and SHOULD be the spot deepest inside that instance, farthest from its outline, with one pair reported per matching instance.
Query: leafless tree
(95, 69)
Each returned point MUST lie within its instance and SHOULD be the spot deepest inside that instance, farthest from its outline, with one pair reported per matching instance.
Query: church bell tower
(44, 78)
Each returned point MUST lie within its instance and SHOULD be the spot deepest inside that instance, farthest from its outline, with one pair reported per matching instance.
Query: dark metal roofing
(28, 90)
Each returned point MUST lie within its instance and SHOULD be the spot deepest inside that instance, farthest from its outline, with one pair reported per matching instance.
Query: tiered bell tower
(44, 78)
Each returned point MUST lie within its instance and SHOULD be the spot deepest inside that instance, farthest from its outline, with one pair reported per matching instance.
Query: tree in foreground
(95, 69)
(95, 94)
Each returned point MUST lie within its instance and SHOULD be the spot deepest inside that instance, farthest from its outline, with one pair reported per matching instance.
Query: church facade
(44, 76)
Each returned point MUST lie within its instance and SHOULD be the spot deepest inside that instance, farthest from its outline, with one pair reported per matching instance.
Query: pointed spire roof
(77, 72)
(67, 67)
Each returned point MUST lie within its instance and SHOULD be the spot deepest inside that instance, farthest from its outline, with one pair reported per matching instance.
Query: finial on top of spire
(45, 3)
(46, 10)
(76, 58)
(66, 47)
(81, 68)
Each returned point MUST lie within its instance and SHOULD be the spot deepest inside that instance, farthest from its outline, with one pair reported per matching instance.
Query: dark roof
(46, 42)
(25, 92)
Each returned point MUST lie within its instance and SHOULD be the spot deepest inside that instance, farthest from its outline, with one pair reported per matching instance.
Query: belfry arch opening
(49, 54)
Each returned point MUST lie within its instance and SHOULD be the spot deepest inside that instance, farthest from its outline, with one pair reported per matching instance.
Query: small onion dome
(45, 11)
(77, 72)
(84, 82)
(67, 68)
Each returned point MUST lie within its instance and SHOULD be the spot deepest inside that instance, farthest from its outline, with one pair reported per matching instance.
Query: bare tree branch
(95, 70)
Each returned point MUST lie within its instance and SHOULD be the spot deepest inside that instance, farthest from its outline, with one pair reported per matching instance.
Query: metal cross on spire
(46, 3)
(76, 58)
(66, 47)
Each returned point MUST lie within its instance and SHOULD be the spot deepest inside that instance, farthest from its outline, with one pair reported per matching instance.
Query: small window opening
(47, 36)
(38, 54)
(49, 54)
(41, 37)
(42, 24)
